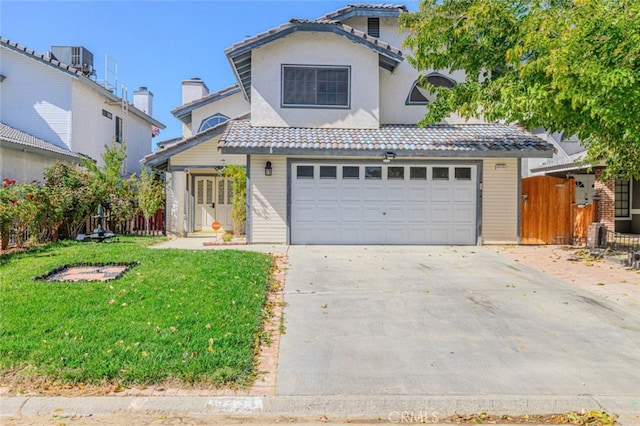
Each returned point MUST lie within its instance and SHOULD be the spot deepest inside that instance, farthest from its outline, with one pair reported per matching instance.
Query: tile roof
(175, 146)
(571, 162)
(48, 60)
(183, 112)
(239, 54)
(465, 140)
(366, 9)
(11, 134)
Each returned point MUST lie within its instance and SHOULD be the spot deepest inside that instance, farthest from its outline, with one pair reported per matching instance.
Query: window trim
(416, 86)
(316, 67)
(216, 115)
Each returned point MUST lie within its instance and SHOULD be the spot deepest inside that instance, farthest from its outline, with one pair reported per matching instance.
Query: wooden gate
(547, 210)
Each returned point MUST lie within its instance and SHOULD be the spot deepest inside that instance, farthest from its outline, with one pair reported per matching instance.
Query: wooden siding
(500, 201)
(268, 201)
(206, 154)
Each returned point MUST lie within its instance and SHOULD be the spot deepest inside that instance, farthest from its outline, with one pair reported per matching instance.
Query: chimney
(143, 100)
(193, 89)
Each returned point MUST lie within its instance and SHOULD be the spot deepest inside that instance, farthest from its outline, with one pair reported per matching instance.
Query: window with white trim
(419, 95)
(212, 121)
(326, 87)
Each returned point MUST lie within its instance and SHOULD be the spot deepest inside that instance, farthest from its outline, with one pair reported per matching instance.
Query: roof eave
(240, 57)
(457, 153)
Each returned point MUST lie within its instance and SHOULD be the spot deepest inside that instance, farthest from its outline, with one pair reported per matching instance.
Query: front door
(212, 202)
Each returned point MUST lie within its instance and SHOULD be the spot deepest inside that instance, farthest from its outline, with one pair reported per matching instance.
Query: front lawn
(194, 316)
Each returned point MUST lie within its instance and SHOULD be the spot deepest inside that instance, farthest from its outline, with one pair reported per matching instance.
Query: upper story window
(373, 27)
(325, 87)
(212, 121)
(422, 96)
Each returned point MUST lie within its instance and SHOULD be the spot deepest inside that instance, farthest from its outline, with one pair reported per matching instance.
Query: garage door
(383, 204)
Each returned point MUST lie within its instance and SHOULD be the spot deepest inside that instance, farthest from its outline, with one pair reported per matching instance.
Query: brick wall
(606, 206)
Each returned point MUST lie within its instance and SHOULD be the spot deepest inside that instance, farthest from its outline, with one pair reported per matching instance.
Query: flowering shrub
(8, 200)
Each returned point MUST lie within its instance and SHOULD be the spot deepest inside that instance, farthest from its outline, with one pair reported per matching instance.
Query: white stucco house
(324, 116)
(51, 110)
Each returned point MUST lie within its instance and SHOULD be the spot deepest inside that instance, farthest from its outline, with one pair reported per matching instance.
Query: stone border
(59, 269)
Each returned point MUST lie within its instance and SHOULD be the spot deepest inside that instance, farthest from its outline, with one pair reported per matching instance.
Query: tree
(150, 195)
(571, 66)
(238, 176)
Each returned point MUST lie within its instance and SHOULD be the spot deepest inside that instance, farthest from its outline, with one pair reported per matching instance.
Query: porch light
(388, 156)
(267, 169)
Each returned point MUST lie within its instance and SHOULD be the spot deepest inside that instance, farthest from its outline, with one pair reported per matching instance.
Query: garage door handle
(213, 205)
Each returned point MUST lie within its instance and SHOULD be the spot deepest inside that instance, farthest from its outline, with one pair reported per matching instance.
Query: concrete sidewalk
(294, 409)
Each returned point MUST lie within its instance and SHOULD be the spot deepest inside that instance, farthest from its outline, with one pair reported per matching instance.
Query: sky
(156, 44)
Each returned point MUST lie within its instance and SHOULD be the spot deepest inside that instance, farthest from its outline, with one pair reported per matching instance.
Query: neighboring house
(618, 199)
(332, 151)
(59, 105)
(22, 154)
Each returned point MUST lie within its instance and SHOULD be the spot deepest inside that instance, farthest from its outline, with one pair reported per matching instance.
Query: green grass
(194, 316)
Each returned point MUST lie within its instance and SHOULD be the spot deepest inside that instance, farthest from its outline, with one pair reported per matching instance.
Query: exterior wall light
(388, 156)
(268, 171)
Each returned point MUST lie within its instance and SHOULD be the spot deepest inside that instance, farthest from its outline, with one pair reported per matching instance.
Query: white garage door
(383, 204)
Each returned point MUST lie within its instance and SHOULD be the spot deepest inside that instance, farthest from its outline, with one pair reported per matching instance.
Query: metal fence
(622, 242)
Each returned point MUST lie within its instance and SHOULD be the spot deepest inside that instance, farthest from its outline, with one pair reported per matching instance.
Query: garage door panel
(464, 194)
(396, 214)
(418, 214)
(305, 193)
(418, 193)
(372, 213)
(441, 194)
(385, 211)
(464, 214)
(349, 193)
(440, 215)
(351, 214)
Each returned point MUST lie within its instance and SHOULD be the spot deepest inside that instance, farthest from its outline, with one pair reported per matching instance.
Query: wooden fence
(136, 226)
(550, 214)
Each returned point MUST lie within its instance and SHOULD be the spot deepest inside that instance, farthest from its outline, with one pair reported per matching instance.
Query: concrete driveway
(447, 321)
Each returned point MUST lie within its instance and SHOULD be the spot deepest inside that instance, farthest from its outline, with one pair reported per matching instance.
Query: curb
(378, 408)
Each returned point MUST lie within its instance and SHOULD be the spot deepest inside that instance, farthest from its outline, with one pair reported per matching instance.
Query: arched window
(212, 121)
(422, 96)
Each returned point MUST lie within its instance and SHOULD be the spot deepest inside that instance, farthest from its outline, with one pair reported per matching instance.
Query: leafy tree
(238, 175)
(564, 65)
(150, 195)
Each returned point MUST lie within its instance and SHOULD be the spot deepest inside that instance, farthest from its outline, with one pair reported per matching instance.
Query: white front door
(212, 202)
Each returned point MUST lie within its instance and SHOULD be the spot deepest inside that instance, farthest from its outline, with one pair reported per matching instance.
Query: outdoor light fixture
(388, 156)
(267, 169)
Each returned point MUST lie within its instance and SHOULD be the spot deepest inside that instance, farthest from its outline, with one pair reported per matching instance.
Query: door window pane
(221, 191)
(396, 173)
(373, 172)
(328, 172)
(350, 172)
(418, 173)
(440, 173)
(209, 191)
(200, 192)
(304, 172)
(463, 173)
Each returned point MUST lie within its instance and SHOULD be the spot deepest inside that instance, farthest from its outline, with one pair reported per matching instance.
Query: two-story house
(50, 110)
(324, 116)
